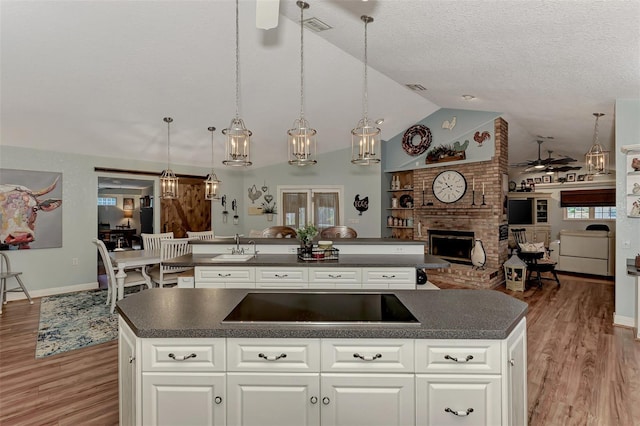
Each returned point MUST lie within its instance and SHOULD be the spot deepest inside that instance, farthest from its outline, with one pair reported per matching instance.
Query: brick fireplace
(462, 218)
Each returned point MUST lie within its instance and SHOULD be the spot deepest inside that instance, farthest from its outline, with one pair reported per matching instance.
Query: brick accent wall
(483, 220)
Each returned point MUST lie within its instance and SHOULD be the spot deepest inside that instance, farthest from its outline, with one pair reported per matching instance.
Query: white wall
(628, 229)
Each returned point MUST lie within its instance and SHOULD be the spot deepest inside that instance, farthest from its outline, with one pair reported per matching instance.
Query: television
(520, 211)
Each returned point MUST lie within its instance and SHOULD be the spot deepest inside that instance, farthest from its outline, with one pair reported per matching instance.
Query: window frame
(591, 218)
(310, 189)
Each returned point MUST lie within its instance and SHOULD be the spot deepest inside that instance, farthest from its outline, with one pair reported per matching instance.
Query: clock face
(449, 186)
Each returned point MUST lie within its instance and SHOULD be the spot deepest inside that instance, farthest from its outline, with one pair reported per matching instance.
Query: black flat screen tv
(520, 212)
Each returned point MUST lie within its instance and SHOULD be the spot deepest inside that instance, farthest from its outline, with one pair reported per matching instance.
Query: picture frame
(127, 204)
(547, 179)
(529, 181)
(537, 180)
(581, 178)
(589, 177)
(571, 177)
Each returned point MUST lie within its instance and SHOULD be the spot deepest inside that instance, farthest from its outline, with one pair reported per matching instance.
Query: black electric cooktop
(323, 308)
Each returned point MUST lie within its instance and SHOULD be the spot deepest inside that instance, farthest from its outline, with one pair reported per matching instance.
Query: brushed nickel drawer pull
(282, 276)
(459, 413)
(453, 358)
(218, 400)
(388, 276)
(366, 358)
(223, 275)
(335, 276)
(272, 358)
(314, 399)
(181, 357)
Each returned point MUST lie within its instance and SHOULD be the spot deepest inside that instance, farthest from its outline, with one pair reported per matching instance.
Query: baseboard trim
(18, 295)
(624, 321)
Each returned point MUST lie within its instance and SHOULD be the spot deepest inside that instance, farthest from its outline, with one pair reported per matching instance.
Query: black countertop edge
(631, 267)
(443, 314)
(288, 241)
(347, 260)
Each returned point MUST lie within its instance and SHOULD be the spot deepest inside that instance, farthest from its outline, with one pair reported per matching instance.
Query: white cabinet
(128, 373)
(389, 278)
(225, 277)
(515, 385)
(282, 277)
(340, 278)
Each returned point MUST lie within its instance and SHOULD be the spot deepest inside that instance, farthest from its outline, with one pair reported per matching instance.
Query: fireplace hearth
(454, 246)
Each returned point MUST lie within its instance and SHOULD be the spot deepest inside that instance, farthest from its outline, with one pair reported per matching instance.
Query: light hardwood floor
(582, 370)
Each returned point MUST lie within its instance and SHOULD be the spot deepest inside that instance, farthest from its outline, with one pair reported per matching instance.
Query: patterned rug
(73, 321)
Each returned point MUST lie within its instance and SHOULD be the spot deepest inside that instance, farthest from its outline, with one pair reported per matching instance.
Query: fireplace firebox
(454, 246)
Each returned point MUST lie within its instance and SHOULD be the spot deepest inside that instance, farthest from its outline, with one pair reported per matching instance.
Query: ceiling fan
(547, 165)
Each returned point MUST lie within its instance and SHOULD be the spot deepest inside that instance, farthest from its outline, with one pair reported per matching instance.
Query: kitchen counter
(287, 241)
(344, 260)
(444, 314)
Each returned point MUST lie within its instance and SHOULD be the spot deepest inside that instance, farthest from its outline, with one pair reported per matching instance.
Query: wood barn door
(189, 212)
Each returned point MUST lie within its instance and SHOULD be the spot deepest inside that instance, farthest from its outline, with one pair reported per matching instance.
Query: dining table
(132, 259)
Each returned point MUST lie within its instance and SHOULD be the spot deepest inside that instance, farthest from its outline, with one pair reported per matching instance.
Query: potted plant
(269, 209)
(306, 234)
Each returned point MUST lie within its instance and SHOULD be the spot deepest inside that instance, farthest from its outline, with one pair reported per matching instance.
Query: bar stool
(6, 272)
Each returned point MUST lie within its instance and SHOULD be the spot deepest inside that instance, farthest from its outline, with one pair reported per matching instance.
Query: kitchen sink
(232, 258)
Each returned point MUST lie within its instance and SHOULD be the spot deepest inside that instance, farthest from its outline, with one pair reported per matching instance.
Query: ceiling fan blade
(267, 13)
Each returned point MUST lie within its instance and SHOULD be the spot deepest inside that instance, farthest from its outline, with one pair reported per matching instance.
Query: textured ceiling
(98, 77)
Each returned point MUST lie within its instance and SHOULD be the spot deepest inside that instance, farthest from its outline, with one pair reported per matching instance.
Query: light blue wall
(627, 229)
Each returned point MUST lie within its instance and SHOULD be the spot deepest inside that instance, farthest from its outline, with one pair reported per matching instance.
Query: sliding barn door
(189, 212)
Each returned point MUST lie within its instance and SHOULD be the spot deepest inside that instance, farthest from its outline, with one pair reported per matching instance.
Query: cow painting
(19, 208)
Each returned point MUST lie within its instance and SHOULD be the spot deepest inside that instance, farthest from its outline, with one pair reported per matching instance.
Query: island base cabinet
(183, 398)
(444, 400)
(272, 399)
(367, 400)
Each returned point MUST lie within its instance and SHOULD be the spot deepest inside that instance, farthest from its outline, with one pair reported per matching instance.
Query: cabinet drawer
(451, 356)
(224, 274)
(282, 277)
(336, 276)
(183, 355)
(292, 355)
(389, 276)
(368, 355)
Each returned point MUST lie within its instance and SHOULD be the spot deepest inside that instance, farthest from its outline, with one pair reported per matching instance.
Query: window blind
(605, 197)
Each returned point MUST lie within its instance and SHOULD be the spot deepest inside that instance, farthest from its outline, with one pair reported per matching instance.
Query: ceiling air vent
(416, 87)
(316, 25)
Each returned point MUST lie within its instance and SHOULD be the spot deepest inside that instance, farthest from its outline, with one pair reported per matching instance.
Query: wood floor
(582, 370)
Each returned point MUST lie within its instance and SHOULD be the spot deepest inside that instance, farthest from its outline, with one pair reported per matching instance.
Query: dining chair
(134, 277)
(5, 273)
(338, 232)
(200, 235)
(152, 241)
(279, 232)
(170, 248)
(536, 256)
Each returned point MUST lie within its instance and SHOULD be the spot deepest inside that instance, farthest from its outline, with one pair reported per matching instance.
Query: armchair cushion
(537, 248)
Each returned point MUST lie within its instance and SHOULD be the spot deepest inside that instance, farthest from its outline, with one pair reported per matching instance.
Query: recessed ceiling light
(468, 97)
(379, 121)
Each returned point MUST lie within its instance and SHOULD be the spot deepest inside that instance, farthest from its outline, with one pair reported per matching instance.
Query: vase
(269, 217)
(478, 255)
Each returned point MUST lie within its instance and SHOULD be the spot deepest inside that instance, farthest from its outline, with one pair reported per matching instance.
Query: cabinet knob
(314, 399)
(367, 358)
(272, 358)
(181, 357)
(326, 400)
(218, 400)
(131, 359)
(512, 362)
(453, 358)
(459, 413)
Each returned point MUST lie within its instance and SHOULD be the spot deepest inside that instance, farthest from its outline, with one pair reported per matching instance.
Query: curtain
(326, 209)
(294, 209)
(605, 197)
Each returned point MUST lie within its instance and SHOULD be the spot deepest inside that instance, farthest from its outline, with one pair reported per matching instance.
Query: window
(106, 201)
(587, 213)
(320, 205)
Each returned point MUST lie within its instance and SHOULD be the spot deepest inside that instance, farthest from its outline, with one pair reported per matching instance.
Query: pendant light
(365, 138)
(212, 183)
(597, 159)
(302, 138)
(238, 143)
(168, 180)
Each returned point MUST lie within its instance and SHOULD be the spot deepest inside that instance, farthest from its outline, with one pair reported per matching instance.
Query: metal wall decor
(410, 142)
(362, 205)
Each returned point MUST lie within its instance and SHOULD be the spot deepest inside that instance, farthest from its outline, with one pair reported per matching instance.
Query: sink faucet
(255, 252)
(237, 249)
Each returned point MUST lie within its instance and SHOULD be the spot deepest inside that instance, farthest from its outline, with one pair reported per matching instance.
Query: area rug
(73, 321)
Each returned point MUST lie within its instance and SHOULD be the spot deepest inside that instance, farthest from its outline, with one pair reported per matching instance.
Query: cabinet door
(367, 399)
(183, 398)
(272, 399)
(444, 400)
(127, 374)
(516, 376)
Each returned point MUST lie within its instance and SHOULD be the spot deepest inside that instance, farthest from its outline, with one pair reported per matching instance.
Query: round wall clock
(416, 139)
(449, 186)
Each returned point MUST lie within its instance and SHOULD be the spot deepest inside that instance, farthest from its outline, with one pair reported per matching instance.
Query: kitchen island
(180, 362)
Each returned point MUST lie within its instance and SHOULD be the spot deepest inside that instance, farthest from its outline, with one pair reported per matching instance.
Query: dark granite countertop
(443, 314)
(631, 267)
(286, 241)
(344, 260)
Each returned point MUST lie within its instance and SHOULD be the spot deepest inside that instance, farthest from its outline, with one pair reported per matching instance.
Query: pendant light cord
(168, 143)
(301, 64)
(237, 63)
(365, 106)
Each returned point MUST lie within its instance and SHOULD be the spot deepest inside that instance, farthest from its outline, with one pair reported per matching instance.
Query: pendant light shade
(238, 142)
(365, 137)
(597, 159)
(168, 179)
(212, 183)
(301, 140)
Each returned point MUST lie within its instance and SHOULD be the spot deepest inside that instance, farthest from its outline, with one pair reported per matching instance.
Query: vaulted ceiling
(97, 77)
